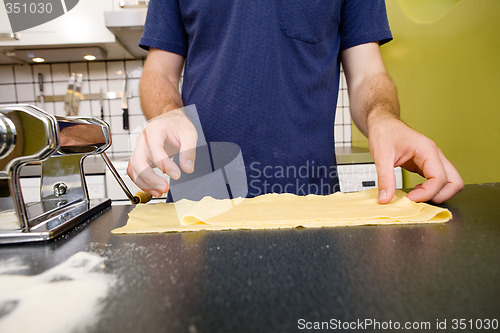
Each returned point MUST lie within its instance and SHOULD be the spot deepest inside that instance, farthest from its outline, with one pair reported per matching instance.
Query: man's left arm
(375, 110)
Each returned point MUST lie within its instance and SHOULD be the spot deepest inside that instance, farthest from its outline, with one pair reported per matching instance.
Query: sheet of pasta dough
(273, 211)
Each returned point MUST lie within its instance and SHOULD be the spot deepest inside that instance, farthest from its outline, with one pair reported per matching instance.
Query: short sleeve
(164, 28)
(363, 21)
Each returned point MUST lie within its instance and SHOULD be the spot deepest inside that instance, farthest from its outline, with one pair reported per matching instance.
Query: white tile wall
(59, 108)
(131, 65)
(45, 70)
(115, 85)
(19, 84)
(84, 109)
(60, 72)
(8, 93)
(6, 74)
(25, 92)
(134, 104)
(97, 85)
(133, 87)
(59, 87)
(79, 67)
(97, 71)
(23, 74)
(116, 69)
(48, 88)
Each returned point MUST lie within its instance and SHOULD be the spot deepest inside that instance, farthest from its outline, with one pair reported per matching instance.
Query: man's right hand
(163, 137)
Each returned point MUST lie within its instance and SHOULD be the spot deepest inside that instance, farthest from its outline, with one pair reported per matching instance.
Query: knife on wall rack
(41, 90)
(125, 116)
(101, 102)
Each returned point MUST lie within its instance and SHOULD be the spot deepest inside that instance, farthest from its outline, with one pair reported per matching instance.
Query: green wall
(445, 61)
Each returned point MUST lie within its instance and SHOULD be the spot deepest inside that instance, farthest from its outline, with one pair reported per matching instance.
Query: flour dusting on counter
(65, 298)
(10, 266)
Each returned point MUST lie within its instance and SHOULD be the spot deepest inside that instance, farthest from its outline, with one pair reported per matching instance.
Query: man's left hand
(392, 144)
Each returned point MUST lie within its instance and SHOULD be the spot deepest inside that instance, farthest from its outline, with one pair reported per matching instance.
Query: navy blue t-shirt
(264, 75)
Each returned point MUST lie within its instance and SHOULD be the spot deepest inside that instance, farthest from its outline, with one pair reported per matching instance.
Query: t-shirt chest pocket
(308, 20)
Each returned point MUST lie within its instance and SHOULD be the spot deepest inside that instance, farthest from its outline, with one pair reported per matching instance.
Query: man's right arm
(159, 87)
(168, 131)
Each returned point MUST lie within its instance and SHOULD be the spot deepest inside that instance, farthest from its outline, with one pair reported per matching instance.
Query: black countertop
(284, 280)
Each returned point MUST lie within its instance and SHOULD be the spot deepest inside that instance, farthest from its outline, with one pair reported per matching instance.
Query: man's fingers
(428, 190)
(145, 177)
(163, 137)
(443, 181)
(187, 150)
(454, 185)
(433, 170)
(393, 143)
(141, 172)
(151, 183)
(386, 178)
(168, 167)
(158, 156)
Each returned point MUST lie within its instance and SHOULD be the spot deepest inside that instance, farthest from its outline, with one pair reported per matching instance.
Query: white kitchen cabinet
(126, 22)
(83, 24)
(30, 187)
(81, 27)
(4, 21)
(358, 177)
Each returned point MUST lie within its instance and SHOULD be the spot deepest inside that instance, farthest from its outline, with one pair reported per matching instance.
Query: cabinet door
(4, 21)
(358, 177)
(30, 187)
(83, 24)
